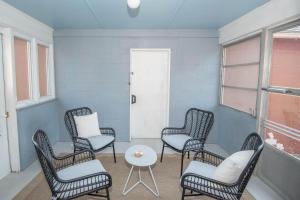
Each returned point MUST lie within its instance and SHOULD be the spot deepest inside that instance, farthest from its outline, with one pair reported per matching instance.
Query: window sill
(31, 103)
(235, 109)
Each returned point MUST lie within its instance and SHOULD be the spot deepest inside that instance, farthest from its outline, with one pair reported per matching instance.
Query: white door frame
(10, 99)
(168, 50)
(5, 166)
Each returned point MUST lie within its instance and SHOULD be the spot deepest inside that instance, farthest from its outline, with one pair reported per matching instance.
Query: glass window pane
(284, 109)
(282, 141)
(42, 62)
(285, 68)
(244, 76)
(22, 68)
(244, 100)
(243, 52)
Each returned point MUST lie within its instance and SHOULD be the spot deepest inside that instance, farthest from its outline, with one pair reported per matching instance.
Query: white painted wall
(272, 13)
(12, 22)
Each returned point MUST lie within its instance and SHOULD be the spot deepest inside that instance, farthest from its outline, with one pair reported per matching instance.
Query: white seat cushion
(231, 168)
(177, 140)
(80, 170)
(100, 141)
(200, 168)
(87, 125)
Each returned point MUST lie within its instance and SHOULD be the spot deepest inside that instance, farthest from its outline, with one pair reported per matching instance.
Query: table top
(149, 157)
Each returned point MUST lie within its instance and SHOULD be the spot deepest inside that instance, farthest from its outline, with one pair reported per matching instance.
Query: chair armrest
(193, 145)
(101, 180)
(204, 184)
(108, 131)
(61, 162)
(82, 143)
(208, 157)
(172, 131)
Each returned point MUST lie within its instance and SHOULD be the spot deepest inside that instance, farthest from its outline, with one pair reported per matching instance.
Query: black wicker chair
(73, 175)
(107, 137)
(191, 137)
(201, 185)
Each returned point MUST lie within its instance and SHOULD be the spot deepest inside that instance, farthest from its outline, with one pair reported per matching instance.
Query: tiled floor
(15, 182)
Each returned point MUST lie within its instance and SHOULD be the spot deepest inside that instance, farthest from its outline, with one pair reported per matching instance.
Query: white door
(4, 153)
(149, 88)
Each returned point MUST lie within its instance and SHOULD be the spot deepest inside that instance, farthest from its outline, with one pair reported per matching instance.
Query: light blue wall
(234, 126)
(92, 69)
(281, 172)
(43, 116)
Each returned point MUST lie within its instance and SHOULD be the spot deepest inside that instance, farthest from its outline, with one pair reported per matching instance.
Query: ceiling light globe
(133, 4)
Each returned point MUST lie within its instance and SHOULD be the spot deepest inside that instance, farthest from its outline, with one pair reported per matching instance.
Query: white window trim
(265, 75)
(34, 91)
(50, 70)
(259, 34)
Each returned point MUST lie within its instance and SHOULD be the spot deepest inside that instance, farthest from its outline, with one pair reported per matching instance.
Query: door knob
(6, 115)
(133, 99)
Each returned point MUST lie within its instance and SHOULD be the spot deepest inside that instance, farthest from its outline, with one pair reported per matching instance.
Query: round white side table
(149, 158)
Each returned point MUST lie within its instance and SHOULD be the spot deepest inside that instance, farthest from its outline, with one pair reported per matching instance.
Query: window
(240, 75)
(282, 114)
(22, 55)
(43, 69)
(34, 73)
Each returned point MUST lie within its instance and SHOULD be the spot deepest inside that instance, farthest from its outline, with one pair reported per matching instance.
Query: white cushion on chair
(200, 168)
(231, 168)
(87, 125)
(177, 140)
(100, 141)
(80, 170)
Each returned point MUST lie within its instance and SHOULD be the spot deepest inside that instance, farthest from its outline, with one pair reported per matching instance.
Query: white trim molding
(23, 23)
(188, 33)
(10, 96)
(14, 22)
(269, 14)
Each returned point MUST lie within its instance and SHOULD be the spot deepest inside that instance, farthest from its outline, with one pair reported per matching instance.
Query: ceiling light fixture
(133, 4)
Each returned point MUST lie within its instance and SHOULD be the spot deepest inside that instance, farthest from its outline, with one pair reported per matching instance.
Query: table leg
(152, 176)
(156, 193)
(128, 178)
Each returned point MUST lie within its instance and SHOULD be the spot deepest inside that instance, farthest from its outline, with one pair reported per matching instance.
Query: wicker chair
(96, 144)
(191, 137)
(199, 184)
(72, 175)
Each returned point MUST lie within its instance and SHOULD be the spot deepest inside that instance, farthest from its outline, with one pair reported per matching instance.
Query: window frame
(49, 70)
(34, 90)
(259, 34)
(265, 82)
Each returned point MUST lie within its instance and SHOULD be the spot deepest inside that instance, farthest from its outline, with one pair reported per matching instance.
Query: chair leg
(182, 157)
(113, 146)
(183, 193)
(107, 194)
(74, 150)
(162, 153)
